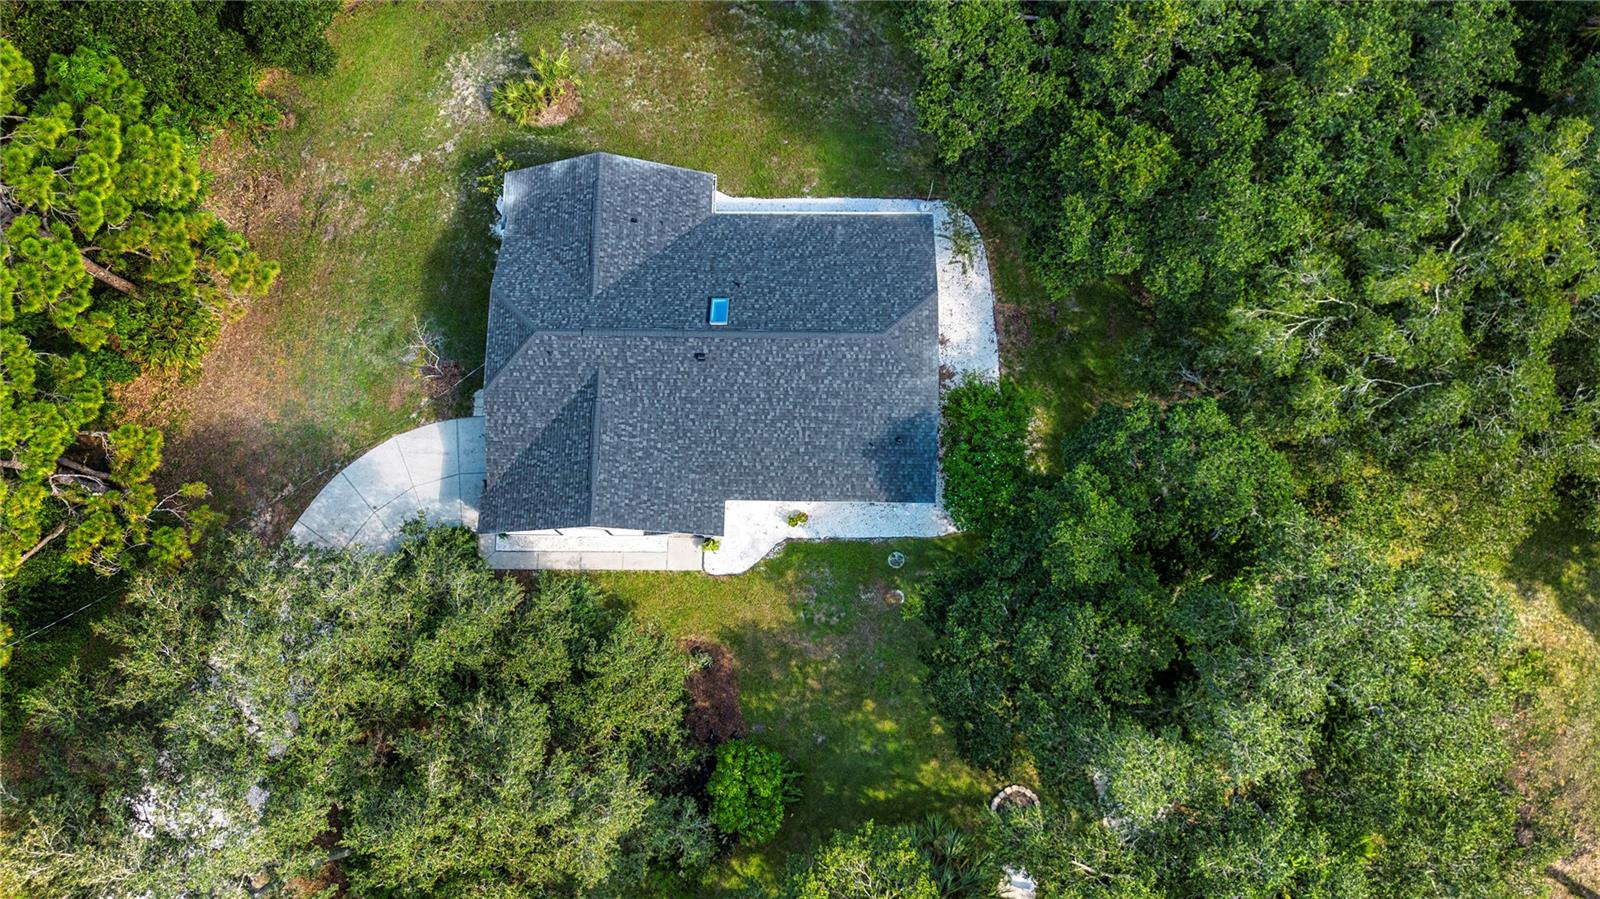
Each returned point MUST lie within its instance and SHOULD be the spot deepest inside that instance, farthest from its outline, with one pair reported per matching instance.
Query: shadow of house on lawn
(460, 266)
(1563, 557)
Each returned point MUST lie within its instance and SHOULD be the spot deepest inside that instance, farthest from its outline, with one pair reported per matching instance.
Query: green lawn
(369, 197)
(1556, 575)
(1070, 351)
(828, 674)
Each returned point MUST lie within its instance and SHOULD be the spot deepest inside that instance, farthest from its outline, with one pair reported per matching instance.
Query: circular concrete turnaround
(436, 470)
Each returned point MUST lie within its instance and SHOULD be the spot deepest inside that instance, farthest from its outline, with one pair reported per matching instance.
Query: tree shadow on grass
(834, 681)
(1563, 557)
(261, 474)
(849, 710)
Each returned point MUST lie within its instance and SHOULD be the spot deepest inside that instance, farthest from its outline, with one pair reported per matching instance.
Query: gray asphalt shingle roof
(611, 401)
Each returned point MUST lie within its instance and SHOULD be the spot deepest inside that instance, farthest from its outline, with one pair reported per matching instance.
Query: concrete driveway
(436, 470)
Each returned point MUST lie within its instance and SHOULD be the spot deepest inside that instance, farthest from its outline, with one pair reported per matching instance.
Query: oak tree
(1366, 228)
(1221, 695)
(425, 725)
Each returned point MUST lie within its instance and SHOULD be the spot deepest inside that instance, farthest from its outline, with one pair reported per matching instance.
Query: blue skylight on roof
(719, 311)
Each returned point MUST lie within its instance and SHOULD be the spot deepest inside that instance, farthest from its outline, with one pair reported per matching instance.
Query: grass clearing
(1556, 575)
(1068, 350)
(369, 197)
(828, 675)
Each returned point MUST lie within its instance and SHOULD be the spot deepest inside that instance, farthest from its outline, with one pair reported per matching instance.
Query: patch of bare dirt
(247, 200)
(1013, 327)
(559, 112)
(713, 715)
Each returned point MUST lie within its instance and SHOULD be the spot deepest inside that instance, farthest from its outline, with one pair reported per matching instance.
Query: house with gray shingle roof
(653, 358)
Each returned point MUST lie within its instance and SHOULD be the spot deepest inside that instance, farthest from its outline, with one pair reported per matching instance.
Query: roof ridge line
(594, 229)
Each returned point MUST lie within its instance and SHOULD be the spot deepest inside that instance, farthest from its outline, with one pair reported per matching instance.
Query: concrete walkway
(436, 470)
(592, 549)
(757, 529)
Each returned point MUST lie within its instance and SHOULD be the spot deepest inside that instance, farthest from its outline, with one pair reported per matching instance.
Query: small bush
(749, 790)
(796, 519)
(710, 544)
(983, 439)
(529, 101)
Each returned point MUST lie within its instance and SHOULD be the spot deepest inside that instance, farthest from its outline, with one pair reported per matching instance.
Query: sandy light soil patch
(471, 74)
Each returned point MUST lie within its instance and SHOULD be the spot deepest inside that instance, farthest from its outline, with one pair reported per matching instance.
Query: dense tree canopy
(441, 730)
(1366, 227)
(1221, 698)
(110, 266)
(201, 58)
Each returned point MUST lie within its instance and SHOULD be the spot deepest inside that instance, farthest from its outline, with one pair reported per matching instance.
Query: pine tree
(106, 254)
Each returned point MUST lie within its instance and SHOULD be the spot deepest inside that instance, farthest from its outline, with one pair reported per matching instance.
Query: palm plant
(526, 100)
(963, 865)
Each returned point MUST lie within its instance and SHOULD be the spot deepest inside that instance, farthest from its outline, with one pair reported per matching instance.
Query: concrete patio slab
(587, 543)
(304, 535)
(405, 507)
(755, 529)
(599, 561)
(431, 452)
(376, 534)
(435, 470)
(380, 475)
(442, 499)
(643, 562)
(469, 445)
(684, 553)
(558, 560)
(337, 513)
(471, 486)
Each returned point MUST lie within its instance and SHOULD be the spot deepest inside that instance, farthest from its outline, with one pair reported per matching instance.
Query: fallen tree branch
(83, 469)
